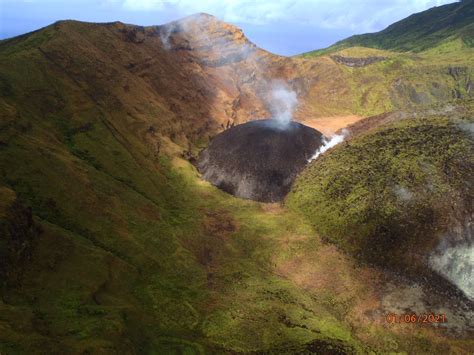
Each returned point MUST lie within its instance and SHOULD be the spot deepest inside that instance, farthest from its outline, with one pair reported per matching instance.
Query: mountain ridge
(417, 32)
(314, 81)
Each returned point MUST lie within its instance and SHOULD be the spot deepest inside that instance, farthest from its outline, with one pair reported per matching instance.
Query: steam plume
(282, 104)
(454, 257)
(456, 263)
(403, 193)
(165, 34)
(328, 144)
(467, 127)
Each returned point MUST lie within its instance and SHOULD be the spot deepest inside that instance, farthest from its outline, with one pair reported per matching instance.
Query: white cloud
(360, 15)
(145, 5)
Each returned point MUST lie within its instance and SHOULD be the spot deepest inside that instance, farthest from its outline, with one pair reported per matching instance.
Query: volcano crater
(259, 160)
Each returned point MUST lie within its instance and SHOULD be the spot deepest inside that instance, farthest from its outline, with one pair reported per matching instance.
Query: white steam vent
(329, 143)
(282, 104)
(455, 261)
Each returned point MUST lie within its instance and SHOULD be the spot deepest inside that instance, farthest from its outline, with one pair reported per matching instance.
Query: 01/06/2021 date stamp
(422, 318)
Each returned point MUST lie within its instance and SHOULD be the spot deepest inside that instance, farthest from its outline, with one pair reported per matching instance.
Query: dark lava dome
(258, 160)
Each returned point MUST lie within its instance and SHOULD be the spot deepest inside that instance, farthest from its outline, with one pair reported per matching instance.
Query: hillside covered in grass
(419, 61)
(387, 196)
(394, 81)
(419, 32)
(110, 242)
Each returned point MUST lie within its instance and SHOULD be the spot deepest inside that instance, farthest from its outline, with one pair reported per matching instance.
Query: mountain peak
(205, 34)
(195, 24)
(201, 15)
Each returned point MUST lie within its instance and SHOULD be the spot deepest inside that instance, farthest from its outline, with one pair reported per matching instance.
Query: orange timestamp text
(425, 318)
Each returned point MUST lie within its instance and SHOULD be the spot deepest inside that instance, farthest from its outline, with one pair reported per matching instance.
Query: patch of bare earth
(213, 247)
(330, 125)
(272, 208)
(328, 272)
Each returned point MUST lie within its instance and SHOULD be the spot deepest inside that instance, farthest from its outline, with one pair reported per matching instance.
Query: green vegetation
(126, 250)
(154, 261)
(418, 32)
(402, 81)
(378, 196)
(429, 58)
(136, 254)
(19, 234)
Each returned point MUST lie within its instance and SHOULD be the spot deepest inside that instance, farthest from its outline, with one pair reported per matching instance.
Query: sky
(285, 27)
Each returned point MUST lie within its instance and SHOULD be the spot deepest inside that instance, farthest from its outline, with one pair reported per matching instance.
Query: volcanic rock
(259, 160)
(357, 62)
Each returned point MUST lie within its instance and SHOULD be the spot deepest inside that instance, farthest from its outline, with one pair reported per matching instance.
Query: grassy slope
(418, 32)
(391, 189)
(138, 255)
(401, 81)
(429, 59)
(135, 254)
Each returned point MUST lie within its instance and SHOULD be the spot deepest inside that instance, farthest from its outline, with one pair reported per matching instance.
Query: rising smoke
(283, 101)
(454, 258)
(403, 193)
(456, 263)
(467, 127)
(183, 26)
(165, 34)
(329, 143)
